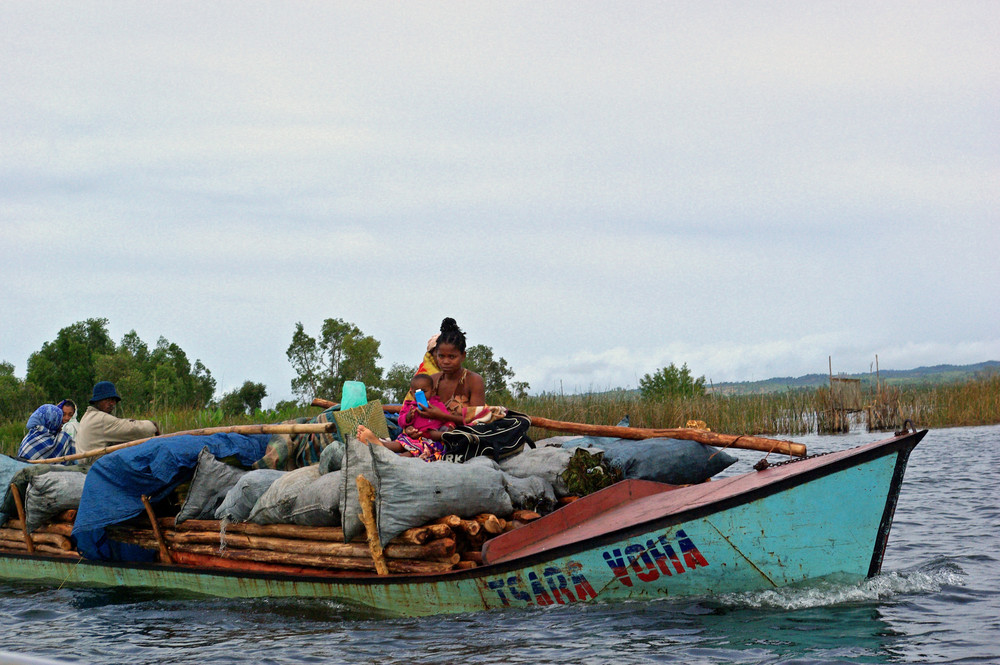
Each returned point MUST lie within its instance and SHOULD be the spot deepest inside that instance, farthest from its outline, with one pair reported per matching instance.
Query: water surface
(936, 601)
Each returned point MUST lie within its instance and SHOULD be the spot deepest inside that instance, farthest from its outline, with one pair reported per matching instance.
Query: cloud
(593, 191)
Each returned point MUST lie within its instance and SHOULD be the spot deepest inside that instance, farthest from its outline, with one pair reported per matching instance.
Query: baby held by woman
(421, 435)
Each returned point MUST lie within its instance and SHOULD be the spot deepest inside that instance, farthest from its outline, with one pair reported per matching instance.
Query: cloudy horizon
(593, 190)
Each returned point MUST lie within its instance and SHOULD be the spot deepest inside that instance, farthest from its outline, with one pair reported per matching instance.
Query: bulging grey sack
(50, 494)
(531, 493)
(211, 482)
(241, 499)
(672, 461)
(276, 504)
(410, 492)
(548, 462)
(357, 462)
(332, 457)
(319, 503)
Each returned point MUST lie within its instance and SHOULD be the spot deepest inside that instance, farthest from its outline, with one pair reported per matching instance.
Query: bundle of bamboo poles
(51, 539)
(449, 543)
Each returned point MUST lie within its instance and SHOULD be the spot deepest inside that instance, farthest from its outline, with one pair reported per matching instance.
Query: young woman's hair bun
(451, 334)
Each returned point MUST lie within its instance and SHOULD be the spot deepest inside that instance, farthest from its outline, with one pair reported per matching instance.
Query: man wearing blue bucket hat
(100, 428)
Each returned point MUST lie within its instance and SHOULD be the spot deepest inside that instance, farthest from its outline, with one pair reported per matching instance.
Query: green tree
(495, 372)
(176, 381)
(286, 405)
(161, 378)
(18, 398)
(397, 381)
(83, 354)
(245, 399)
(520, 389)
(671, 382)
(307, 361)
(67, 366)
(341, 353)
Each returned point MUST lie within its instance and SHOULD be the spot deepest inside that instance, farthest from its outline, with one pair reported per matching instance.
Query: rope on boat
(731, 443)
(222, 533)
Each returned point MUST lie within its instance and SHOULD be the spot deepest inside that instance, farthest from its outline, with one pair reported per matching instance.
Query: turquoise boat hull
(823, 517)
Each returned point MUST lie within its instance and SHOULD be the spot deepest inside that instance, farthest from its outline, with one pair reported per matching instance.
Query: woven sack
(412, 492)
(357, 462)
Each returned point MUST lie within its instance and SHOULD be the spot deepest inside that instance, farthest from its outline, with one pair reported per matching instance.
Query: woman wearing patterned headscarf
(45, 438)
(70, 423)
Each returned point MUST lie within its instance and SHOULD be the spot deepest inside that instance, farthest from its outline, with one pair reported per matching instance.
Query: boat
(824, 517)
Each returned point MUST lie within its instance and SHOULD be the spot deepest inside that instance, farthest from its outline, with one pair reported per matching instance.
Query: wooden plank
(569, 516)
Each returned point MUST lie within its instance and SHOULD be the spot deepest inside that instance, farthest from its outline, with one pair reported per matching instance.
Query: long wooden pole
(160, 542)
(746, 442)
(415, 536)
(701, 436)
(278, 428)
(366, 497)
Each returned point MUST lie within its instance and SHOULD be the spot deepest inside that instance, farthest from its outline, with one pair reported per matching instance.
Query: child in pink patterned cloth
(421, 435)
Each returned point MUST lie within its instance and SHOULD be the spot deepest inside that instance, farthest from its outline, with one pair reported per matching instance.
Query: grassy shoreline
(968, 403)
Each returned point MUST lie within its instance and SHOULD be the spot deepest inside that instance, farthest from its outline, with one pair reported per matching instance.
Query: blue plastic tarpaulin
(116, 483)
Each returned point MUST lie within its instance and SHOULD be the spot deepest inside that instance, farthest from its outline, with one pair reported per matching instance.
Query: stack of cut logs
(447, 544)
(52, 539)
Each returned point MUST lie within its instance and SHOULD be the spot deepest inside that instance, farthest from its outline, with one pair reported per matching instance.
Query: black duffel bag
(497, 440)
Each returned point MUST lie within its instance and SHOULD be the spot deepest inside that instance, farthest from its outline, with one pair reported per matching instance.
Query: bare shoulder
(476, 389)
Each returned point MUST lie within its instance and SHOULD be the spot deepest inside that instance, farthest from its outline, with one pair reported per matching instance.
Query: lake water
(936, 601)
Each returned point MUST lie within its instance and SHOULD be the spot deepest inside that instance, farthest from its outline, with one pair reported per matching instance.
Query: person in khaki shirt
(100, 428)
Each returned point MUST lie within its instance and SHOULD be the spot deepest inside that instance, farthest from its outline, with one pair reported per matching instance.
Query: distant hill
(894, 377)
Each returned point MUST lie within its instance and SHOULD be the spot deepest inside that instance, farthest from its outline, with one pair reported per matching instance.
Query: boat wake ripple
(926, 579)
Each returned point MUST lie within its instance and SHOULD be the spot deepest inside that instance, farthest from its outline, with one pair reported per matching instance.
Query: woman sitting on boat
(70, 423)
(493, 431)
(453, 384)
(45, 438)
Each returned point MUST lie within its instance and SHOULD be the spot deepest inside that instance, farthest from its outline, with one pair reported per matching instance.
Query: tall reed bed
(969, 403)
(10, 437)
(788, 413)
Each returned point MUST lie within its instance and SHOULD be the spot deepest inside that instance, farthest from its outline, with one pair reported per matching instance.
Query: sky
(595, 190)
